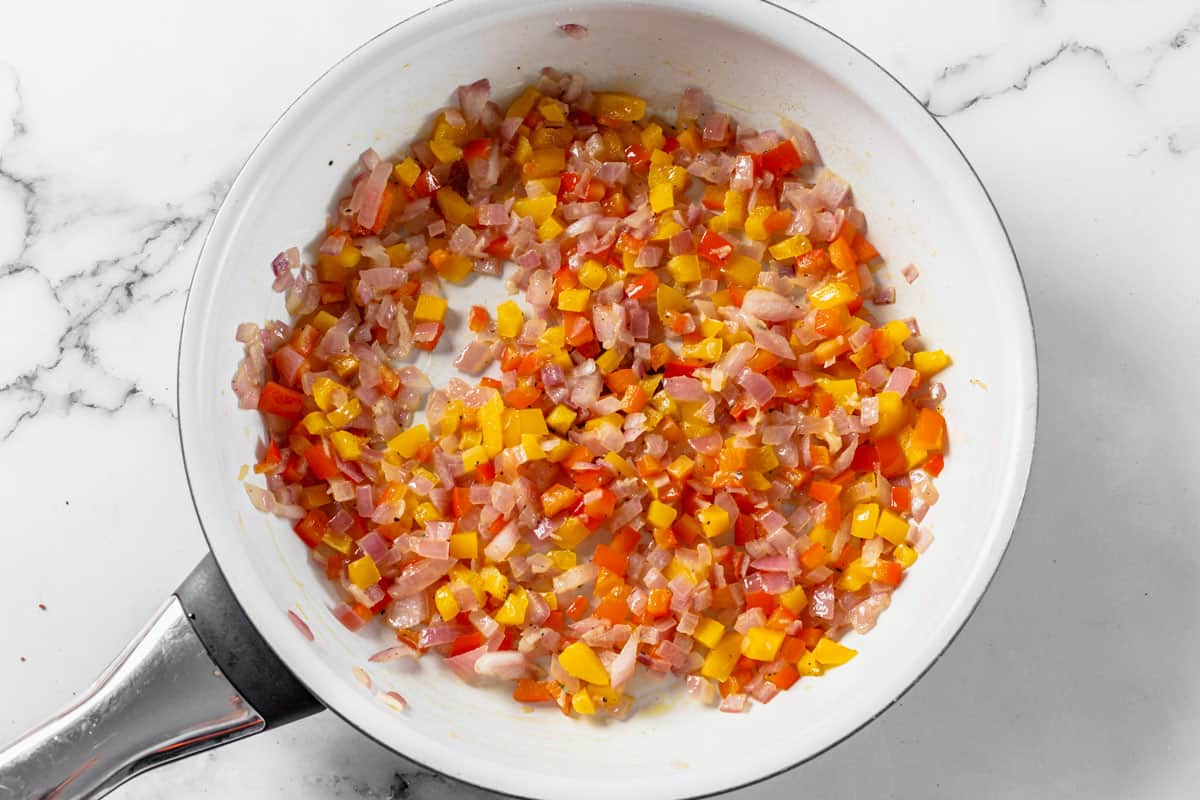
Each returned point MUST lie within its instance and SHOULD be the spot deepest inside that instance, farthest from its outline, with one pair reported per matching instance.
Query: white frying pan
(205, 672)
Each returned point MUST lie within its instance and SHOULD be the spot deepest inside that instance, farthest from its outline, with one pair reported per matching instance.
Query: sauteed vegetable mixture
(697, 450)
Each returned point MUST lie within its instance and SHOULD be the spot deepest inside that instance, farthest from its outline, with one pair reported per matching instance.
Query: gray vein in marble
(1177, 143)
(1020, 85)
(106, 288)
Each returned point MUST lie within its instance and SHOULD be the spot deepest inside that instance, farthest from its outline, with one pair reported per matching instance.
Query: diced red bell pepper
(321, 463)
(270, 459)
(638, 158)
(427, 184)
(477, 148)
(432, 343)
(714, 248)
(642, 286)
(312, 527)
(466, 643)
(280, 400)
(782, 159)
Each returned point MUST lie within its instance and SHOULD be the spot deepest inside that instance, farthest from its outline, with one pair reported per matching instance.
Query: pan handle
(197, 676)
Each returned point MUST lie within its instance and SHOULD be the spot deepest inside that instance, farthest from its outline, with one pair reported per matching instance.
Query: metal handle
(162, 699)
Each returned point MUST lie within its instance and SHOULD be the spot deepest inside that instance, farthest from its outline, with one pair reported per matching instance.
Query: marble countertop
(120, 132)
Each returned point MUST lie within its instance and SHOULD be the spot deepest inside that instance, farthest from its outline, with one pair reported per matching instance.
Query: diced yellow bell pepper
(662, 197)
(742, 270)
(348, 446)
(582, 703)
(581, 661)
(572, 532)
(864, 520)
(552, 111)
(681, 468)
(559, 449)
(735, 209)
(426, 512)
(930, 362)
(711, 327)
(893, 414)
(323, 320)
(344, 414)
(708, 632)
(474, 456)
(668, 298)
(830, 295)
(538, 209)
(762, 644)
(471, 579)
(573, 299)
(620, 464)
(344, 365)
(905, 556)
(323, 390)
(446, 131)
(491, 422)
(706, 350)
(614, 108)
(363, 573)
(445, 152)
(531, 446)
(897, 332)
(595, 423)
(339, 541)
(755, 228)
(892, 527)
(510, 319)
(454, 208)
(494, 582)
(713, 520)
(430, 308)
(315, 423)
(593, 275)
(550, 229)
(653, 137)
(684, 268)
(914, 456)
(660, 515)
(531, 420)
(446, 603)
(561, 418)
(524, 103)
(563, 559)
(464, 545)
(721, 660)
(667, 228)
(791, 247)
(794, 599)
(807, 664)
(515, 606)
(522, 151)
(407, 171)
(855, 576)
(829, 653)
(677, 569)
(456, 268)
(409, 441)
(608, 361)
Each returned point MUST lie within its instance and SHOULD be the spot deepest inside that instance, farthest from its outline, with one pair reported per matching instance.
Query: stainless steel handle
(162, 699)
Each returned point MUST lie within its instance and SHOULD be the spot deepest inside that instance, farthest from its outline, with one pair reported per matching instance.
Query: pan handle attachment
(197, 676)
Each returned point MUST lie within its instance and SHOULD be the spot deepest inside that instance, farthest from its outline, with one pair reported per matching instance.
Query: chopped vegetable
(691, 444)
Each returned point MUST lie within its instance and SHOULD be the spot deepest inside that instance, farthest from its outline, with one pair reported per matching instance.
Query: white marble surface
(121, 127)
